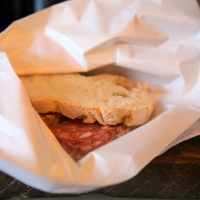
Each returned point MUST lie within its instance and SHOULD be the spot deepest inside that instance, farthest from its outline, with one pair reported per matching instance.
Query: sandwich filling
(79, 138)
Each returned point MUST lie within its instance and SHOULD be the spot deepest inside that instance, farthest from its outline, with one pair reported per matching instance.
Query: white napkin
(155, 41)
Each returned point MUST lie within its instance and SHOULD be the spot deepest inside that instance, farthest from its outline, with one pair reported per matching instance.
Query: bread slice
(106, 98)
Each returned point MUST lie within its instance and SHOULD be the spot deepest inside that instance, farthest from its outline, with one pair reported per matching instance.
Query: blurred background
(11, 10)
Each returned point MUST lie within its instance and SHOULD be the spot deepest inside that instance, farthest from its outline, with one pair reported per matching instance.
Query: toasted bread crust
(108, 99)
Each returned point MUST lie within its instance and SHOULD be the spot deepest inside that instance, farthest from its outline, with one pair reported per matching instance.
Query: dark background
(11, 10)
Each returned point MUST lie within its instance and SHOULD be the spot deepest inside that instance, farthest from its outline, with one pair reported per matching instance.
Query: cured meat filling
(78, 138)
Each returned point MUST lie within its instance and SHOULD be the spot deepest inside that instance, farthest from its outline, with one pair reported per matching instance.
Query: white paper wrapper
(155, 41)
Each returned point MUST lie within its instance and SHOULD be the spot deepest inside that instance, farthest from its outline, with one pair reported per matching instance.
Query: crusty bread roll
(106, 98)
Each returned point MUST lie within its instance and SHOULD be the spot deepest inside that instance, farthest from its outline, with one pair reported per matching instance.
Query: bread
(106, 98)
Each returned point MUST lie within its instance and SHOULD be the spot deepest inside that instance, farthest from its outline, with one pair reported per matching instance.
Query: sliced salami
(78, 138)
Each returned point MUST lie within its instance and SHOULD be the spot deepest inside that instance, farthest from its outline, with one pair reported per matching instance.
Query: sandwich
(86, 112)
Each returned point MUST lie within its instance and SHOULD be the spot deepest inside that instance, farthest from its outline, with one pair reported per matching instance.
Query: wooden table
(173, 175)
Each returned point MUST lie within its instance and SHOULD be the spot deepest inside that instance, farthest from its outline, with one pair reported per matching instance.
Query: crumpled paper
(151, 41)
